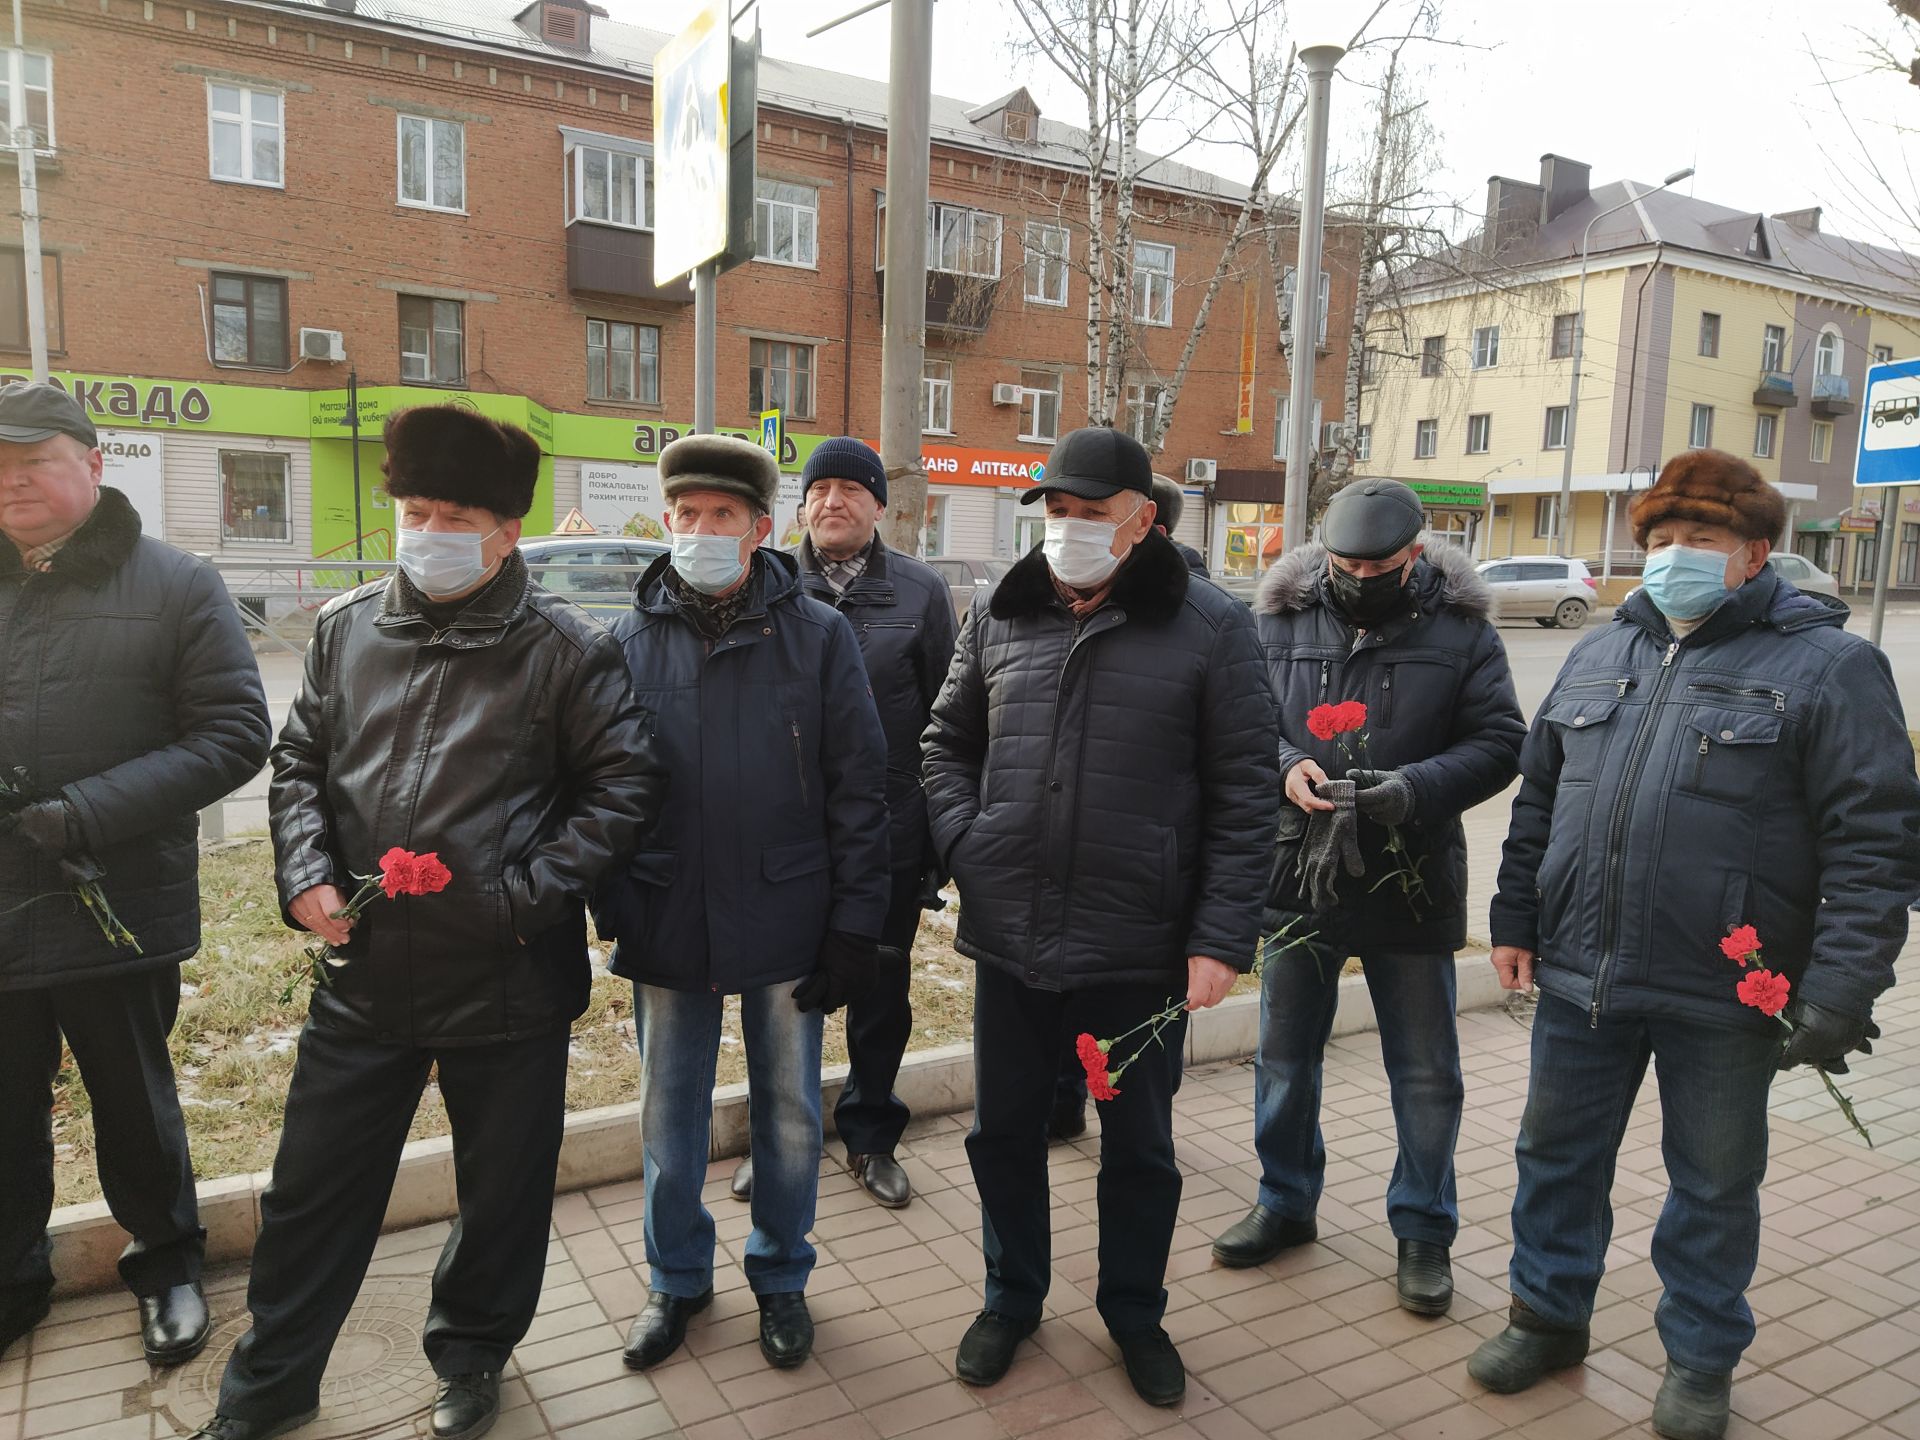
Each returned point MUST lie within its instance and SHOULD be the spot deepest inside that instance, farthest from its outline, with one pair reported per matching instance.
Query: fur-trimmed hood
(98, 548)
(1151, 584)
(1444, 578)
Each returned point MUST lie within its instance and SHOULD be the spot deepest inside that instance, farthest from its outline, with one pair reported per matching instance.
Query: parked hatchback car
(967, 577)
(595, 572)
(1803, 574)
(1547, 589)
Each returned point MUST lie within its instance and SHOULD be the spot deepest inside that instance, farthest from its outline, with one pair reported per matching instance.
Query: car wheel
(1570, 616)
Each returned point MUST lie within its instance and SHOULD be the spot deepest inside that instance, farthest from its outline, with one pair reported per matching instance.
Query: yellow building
(1702, 326)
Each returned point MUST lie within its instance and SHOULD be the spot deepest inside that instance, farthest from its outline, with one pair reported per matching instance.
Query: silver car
(967, 577)
(1547, 589)
(1804, 575)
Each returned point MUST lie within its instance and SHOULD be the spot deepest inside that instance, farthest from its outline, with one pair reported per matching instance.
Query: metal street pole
(1883, 557)
(706, 343)
(903, 339)
(23, 140)
(1320, 61)
(1562, 512)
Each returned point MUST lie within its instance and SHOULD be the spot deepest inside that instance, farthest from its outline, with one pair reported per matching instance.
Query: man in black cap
(902, 615)
(459, 709)
(1100, 781)
(1374, 862)
(130, 699)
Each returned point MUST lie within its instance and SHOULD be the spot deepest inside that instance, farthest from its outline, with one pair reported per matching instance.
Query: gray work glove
(1822, 1037)
(1385, 796)
(1333, 841)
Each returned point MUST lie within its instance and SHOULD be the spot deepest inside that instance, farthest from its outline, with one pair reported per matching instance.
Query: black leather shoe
(1153, 1365)
(1069, 1118)
(883, 1179)
(659, 1329)
(986, 1350)
(1692, 1404)
(742, 1186)
(1426, 1277)
(1261, 1235)
(786, 1329)
(18, 1318)
(232, 1427)
(1521, 1354)
(174, 1325)
(466, 1405)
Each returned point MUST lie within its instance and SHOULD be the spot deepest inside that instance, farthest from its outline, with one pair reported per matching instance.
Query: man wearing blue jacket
(1724, 754)
(766, 878)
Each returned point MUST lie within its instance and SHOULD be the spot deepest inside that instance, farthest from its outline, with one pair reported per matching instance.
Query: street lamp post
(1319, 61)
(1561, 528)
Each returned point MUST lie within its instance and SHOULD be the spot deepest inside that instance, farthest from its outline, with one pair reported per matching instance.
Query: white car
(1804, 575)
(1547, 589)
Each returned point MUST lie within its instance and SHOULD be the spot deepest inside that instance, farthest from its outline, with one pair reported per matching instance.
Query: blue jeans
(1713, 1135)
(679, 1033)
(1413, 995)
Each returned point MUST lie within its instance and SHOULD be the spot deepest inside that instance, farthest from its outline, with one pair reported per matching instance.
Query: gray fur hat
(720, 462)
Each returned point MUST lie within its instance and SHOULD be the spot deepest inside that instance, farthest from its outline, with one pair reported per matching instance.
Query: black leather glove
(849, 964)
(1382, 795)
(1333, 842)
(930, 886)
(51, 826)
(1822, 1037)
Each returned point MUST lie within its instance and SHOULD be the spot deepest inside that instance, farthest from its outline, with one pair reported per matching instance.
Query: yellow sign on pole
(690, 139)
(1249, 332)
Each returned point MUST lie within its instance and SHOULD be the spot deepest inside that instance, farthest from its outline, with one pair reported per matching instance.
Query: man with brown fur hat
(1723, 755)
(454, 708)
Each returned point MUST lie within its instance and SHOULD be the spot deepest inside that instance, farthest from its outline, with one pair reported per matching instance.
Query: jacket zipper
(1616, 831)
(1621, 685)
(1700, 763)
(1386, 696)
(1326, 678)
(799, 761)
(1778, 697)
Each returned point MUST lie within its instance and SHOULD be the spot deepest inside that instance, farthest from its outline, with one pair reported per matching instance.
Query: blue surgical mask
(709, 563)
(442, 563)
(1684, 583)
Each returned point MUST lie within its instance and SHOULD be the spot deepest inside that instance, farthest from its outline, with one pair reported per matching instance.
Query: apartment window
(1486, 347)
(256, 501)
(246, 134)
(1143, 411)
(1426, 439)
(1153, 283)
(36, 75)
(786, 223)
(936, 396)
(1563, 335)
(1555, 436)
(623, 362)
(1479, 434)
(1433, 354)
(1283, 427)
(1286, 302)
(433, 163)
(1763, 436)
(13, 301)
(250, 321)
(1363, 442)
(1700, 427)
(1826, 353)
(1709, 334)
(1773, 349)
(962, 241)
(610, 187)
(1882, 354)
(780, 377)
(1039, 405)
(1544, 507)
(1822, 448)
(432, 341)
(1369, 364)
(1048, 249)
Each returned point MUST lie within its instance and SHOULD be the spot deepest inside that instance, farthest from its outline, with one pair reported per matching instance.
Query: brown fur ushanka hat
(447, 452)
(1711, 487)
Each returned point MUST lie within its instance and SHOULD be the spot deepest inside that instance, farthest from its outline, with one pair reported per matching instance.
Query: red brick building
(245, 203)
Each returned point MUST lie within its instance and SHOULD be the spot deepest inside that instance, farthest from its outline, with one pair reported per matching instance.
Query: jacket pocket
(1583, 727)
(790, 862)
(1730, 754)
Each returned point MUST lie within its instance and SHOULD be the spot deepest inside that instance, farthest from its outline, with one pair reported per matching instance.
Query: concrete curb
(600, 1149)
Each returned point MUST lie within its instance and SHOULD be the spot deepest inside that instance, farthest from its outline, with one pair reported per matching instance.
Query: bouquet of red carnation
(402, 872)
(1767, 992)
(1336, 722)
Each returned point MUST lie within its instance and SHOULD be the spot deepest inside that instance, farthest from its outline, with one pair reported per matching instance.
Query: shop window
(933, 540)
(1544, 507)
(256, 498)
(1254, 537)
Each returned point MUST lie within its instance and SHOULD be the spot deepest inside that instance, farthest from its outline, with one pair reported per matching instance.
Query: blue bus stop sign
(1890, 426)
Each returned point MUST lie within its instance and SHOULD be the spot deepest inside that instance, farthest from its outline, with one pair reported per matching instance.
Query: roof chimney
(1513, 213)
(1565, 184)
(1807, 219)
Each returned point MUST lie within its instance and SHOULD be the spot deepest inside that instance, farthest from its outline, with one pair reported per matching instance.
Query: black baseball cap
(1096, 463)
(1372, 519)
(38, 411)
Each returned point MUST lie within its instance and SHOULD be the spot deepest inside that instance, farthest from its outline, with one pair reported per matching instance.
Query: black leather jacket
(510, 744)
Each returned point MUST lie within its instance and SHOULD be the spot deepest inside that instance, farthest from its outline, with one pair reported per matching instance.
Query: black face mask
(1370, 601)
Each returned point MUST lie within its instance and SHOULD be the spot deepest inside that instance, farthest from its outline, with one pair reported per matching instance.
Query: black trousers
(1018, 1033)
(117, 1029)
(348, 1112)
(868, 1115)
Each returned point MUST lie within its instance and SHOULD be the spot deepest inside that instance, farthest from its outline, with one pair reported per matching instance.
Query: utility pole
(1319, 60)
(21, 137)
(903, 341)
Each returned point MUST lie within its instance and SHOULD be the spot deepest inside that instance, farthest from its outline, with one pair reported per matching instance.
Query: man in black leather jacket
(457, 709)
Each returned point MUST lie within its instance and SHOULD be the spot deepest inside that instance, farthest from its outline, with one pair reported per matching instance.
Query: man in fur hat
(766, 878)
(1373, 615)
(455, 708)
(1723, 755)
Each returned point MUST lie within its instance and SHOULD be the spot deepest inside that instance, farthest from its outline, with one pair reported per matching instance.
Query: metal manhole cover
(376, 1378)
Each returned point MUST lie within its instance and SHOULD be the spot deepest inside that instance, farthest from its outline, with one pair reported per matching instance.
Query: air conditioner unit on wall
(1006, 394)
(327, 345)
(1202, 472)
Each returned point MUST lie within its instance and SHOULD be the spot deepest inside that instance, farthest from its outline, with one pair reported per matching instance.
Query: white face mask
(709, 563)
(1080, 552)
(442, 562)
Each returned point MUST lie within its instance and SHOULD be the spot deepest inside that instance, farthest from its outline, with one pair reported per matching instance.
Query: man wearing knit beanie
(1719, 785)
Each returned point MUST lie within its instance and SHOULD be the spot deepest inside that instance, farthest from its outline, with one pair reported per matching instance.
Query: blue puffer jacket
(1757, 772)
(775, 825)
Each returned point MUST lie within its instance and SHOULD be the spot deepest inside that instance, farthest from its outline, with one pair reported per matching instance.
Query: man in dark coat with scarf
(129, 701)
(1373, 858)
(457, 709)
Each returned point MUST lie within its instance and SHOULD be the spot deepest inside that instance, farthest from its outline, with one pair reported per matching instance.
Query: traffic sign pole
(1888, 458)
(1889, 537)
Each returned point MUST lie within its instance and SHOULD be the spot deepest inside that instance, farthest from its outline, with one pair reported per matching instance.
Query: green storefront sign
(1461, 494)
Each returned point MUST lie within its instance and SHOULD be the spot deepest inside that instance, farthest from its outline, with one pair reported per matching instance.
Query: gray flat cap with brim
(720, 462)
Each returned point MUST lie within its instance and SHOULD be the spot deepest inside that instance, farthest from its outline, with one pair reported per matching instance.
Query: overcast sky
(1636, 88)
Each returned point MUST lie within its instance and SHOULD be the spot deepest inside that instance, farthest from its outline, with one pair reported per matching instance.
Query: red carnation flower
(1742, 944)
(404, 873)
(1327, 721)
(1093, 1059)
(1764, 991)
